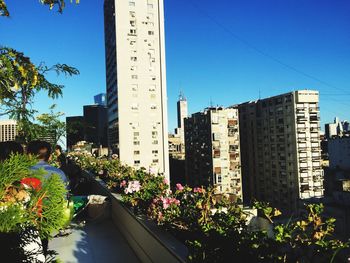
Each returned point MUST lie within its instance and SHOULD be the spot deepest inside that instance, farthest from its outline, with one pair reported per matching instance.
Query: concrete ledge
(149, 242)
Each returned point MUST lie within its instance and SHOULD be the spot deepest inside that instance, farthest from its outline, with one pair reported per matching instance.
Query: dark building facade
(95, 118)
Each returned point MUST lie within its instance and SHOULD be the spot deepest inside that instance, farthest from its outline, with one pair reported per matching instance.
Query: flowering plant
(28, 199)
(218, 229)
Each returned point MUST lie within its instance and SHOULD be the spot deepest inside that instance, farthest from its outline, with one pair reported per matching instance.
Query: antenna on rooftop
(182, 96)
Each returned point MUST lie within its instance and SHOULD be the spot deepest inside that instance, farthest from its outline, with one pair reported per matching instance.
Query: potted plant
(32, 207)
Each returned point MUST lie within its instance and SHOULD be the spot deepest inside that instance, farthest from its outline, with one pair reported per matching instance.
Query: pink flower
(166, 205)
(160, 216)
(165, 181)
(168, 201)
(122, 184)
(198, 190)
(179, 187)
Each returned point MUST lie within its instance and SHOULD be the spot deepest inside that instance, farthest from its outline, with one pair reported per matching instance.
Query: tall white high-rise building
(8, 130)
(136, 83)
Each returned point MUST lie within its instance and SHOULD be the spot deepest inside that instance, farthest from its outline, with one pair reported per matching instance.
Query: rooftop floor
(93, 242)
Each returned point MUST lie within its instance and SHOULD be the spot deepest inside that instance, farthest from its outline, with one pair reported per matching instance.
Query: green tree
(50, 126)
(21, 80)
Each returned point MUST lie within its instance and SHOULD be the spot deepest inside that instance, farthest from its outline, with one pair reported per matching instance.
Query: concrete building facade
(339, 153)
(337, 129)
(8, 130)
(136, 83)
(281, 154)
(213, 150)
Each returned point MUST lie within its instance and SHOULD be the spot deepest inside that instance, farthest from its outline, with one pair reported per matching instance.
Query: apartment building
(280, 149)
(213, 150)
(136, 83)
(8, 130)
(337, 128)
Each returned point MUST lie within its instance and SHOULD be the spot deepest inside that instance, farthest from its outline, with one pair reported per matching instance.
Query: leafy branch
(51, 3)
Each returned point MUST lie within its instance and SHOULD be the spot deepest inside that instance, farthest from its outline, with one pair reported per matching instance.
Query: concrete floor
(93, 242)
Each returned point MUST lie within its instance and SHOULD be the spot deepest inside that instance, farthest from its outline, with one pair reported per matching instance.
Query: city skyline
(205, 51)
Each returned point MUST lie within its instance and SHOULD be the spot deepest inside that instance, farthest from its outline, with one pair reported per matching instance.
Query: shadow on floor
(93, 242)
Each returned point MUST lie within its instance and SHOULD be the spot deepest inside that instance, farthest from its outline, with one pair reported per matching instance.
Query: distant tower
(181, 115)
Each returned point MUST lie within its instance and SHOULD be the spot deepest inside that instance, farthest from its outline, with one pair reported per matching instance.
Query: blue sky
(221, 51)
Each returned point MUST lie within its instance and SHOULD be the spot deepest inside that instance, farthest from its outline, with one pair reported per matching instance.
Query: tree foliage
(51, 126)
(51, 3)
(20, 81)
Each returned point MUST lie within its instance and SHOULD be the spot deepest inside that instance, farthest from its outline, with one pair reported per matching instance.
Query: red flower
(35, 183)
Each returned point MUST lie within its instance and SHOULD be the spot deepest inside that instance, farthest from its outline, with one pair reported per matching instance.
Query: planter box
(149, 242)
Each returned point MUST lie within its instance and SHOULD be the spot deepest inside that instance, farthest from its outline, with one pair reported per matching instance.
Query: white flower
(133, 186)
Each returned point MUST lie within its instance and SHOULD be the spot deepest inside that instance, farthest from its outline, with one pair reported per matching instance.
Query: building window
(153, 107)
(150, 33)
(132, 42)
(134, 106)
(217, 170)
(131, 3)
(219, 179)
(155, 160)
(150, 6)
(153, 77)
(154, 151)
(133, 32)
(134, 87)
(136, 133)
(136, 152)
(134, 76)
(132, 23)
(132, 13)
(133, 59)
(150, 17)
(136, 142)
(152, 88)
(137, 162)
(155, 142)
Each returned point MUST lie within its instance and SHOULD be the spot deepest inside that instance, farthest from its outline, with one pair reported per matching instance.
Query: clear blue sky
(221, 51)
